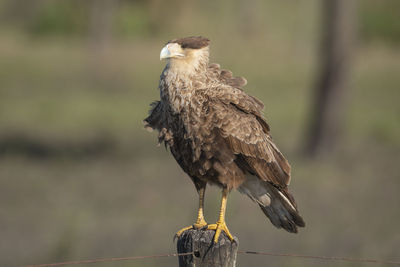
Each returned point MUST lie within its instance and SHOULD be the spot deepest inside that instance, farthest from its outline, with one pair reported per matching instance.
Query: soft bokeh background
(80, 178)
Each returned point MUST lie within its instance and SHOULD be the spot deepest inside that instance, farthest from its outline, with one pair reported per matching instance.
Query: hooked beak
(170, 51)
(165, 53)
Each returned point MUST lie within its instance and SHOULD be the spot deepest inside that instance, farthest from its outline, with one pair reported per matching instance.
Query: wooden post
(206, 252)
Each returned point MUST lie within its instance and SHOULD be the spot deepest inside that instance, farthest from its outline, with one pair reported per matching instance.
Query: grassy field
(83, 179)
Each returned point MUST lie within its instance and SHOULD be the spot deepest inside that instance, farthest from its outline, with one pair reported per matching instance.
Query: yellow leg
(200, 222)
(221, 225)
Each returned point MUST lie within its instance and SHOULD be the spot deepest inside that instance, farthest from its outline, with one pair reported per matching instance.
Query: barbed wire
(325, 258)
(110, 259)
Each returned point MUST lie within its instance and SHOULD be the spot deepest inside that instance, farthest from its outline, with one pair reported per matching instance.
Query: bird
(218, 136)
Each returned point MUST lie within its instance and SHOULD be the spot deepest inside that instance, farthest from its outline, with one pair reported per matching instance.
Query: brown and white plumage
(217, 133)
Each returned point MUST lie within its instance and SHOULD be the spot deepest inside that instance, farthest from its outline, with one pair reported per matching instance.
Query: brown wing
(238, 119)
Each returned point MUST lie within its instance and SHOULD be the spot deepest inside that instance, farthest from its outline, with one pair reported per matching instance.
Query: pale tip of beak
(165, 53)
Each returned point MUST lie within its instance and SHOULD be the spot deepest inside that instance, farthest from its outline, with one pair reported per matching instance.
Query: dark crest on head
(193, 42)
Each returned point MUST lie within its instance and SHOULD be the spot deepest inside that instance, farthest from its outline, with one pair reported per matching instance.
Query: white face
(172, 50)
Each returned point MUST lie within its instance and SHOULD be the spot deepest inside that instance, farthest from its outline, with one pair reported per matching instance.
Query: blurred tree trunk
(101, 14)
(247, 21)
(328, 110)
(101, 19)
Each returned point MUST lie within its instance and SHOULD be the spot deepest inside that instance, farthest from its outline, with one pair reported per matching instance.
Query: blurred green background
(80, 177)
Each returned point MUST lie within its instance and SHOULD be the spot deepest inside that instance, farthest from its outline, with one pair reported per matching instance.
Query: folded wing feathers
(239, 120)
(256, 153)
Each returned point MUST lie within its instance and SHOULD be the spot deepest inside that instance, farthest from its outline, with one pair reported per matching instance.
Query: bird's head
(186, 52)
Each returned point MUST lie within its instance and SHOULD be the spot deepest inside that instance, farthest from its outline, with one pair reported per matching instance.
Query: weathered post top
(206, 252)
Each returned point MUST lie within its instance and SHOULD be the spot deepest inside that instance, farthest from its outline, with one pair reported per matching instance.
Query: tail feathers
(283, 216)
(277, 205)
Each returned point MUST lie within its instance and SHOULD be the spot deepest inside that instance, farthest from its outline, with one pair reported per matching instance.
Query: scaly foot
(218, 227)
(197, 225)
(180, 232)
